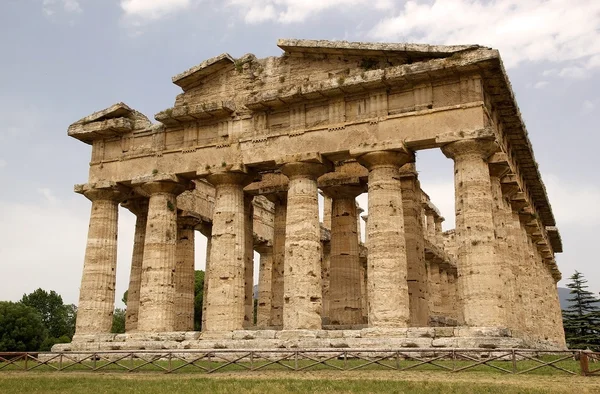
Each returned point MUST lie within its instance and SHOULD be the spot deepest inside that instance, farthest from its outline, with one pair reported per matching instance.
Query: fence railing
(504, 361)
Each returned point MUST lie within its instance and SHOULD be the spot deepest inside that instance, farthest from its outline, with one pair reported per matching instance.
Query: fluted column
(249, 262)
(157, 292)
(279, 224)
(435, 297)
(502, 218)
(139, 207)
(302, 267)
(415, 248)
(344, 269)
(439, 236)
(430, 214)
(387, 264)
(444, 292)
(226, 276)
(185, 274)
(263, 312)
(479, 273)
(206, 230)
(97, 292)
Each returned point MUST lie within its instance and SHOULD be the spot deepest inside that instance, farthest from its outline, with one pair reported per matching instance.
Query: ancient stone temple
(245, 154)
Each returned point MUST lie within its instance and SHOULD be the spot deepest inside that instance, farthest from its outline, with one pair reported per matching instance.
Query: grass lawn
(295, 382)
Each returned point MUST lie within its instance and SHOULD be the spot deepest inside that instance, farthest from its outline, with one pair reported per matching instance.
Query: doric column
(325, 279)
(479, 273)
(435, 298)
(415, 248)
(226, 276)
(439, 236)
(387, 265)
(97, 292)
(302, 268)
(279, 223)
(344, 269)
(139, 207)
(265, 275)
(502, 217)
(184, 273)
(249, 262)
(444, 292)
(455, 306)
(327, 206)
(157, 292)
(206, 230)
(430, 214)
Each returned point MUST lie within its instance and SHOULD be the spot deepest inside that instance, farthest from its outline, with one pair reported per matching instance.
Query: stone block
(296, 334)
(482, 332)
(380, 332)
(420, 332)
(443, 332)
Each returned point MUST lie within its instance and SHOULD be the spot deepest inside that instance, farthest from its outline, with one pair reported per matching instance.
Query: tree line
(41, 319)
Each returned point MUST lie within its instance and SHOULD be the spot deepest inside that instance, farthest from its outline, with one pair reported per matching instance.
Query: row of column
(502, 279)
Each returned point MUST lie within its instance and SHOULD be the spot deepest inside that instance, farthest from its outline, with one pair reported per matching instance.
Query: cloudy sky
(64, 59)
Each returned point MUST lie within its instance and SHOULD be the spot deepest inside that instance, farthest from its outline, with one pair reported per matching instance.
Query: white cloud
(589, 106)
(524, 31)
(48, 195)
(573, 204)
(3, 163)
(540, 84)
(152, 9)
(50, 7)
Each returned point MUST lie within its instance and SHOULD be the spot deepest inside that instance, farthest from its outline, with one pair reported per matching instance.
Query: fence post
(514, 361)
(584, 363)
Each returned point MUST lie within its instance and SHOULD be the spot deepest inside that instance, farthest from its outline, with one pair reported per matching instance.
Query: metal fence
(504, 361)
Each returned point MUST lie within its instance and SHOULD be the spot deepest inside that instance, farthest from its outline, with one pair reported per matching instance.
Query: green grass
(55, 383)
(308, 365)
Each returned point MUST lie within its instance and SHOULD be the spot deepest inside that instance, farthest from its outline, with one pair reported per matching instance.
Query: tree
(55, 314)
(581, 319)
(198, 299)
(21, 328)
(118, 324)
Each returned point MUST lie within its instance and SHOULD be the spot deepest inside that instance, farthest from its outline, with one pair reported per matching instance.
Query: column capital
(343, 191)
(378, 159)
(230, 178)
(300, 169)
(263, 246)
(479, 147)
(409, 170)
(137, 205)
(163, 187)
(112, 192)
(187, 222)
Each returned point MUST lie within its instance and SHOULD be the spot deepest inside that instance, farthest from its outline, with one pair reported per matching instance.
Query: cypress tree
(581, 319)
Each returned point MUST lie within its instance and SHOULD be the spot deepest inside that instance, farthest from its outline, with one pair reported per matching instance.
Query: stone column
(279, 225)
(430, 213)
(226, 277)
(344, 270)
(444, 292)
(415, 249)
(263, 312)
(97, 292)
(479, 274)
(387, 265)
(439, 235)
(327, 206)
(206, 230)
(139, 207)
(302, 268)
(249, 262)
(157, 292)
(503, 258)
(325, 279)
(435, 298)
(185, 274)
(455, 306)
